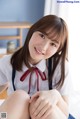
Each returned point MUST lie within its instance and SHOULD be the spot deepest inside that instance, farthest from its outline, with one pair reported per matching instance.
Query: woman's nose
(45, 46)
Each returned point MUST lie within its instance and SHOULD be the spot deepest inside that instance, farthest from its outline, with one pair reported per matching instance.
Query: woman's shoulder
(5, 61)
(5, 58)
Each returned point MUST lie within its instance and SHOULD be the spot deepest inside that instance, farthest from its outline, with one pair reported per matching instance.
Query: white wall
(19, 10)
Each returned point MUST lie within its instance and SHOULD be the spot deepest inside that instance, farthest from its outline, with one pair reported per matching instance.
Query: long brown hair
(55, 28)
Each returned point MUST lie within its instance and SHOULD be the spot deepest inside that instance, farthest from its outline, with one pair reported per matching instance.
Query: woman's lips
(38, 51)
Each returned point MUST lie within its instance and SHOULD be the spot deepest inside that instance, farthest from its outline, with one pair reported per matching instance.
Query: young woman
(38, 73)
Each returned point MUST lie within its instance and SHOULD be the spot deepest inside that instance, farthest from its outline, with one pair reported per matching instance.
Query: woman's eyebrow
(55, 41)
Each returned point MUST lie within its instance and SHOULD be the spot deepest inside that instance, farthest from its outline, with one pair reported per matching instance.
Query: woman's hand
(45, 103)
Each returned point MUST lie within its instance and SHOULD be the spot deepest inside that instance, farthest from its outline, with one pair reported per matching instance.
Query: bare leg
(55, 112)
(30, 108)
(16, 105)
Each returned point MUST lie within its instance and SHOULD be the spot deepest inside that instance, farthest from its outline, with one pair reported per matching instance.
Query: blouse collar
(41, 66)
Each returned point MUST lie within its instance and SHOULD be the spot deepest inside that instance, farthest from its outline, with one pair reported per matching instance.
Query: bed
(74, 104)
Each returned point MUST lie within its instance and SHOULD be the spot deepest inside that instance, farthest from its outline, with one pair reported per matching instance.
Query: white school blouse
(6, 76)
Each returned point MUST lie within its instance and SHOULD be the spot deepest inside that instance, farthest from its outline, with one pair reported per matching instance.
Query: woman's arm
(49, 99)
(63, 104)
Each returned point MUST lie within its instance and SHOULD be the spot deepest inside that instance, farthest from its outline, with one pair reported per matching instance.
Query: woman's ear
(59, 53)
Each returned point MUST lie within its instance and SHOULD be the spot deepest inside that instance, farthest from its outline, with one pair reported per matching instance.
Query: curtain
(70, 13)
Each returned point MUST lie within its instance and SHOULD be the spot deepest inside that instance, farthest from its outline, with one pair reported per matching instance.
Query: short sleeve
(3, 78)
(66, 88)
(4, 68)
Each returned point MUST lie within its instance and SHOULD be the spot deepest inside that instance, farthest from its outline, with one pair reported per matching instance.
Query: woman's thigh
(55, 112)
(16, 105)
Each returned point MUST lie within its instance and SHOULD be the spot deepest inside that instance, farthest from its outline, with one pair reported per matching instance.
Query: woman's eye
(42, 36)
(53, 44)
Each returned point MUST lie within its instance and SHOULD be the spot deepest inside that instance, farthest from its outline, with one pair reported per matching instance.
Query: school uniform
(6, 76)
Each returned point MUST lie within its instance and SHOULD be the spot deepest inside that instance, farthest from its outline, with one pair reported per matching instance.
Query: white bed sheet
(74, 104)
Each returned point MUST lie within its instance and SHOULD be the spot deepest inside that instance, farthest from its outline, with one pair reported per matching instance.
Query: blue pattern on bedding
(71, 117)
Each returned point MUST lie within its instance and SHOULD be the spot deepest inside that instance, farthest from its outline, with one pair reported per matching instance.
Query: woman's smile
(39, 52)
(41, 47)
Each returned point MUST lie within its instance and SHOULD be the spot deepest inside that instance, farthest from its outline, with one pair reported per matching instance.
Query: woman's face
(41, 47)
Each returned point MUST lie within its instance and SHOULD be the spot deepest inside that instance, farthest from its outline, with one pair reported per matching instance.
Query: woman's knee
(16, 104)
(20, 94)
(56, 113)
(17, 98)
(31, 106)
